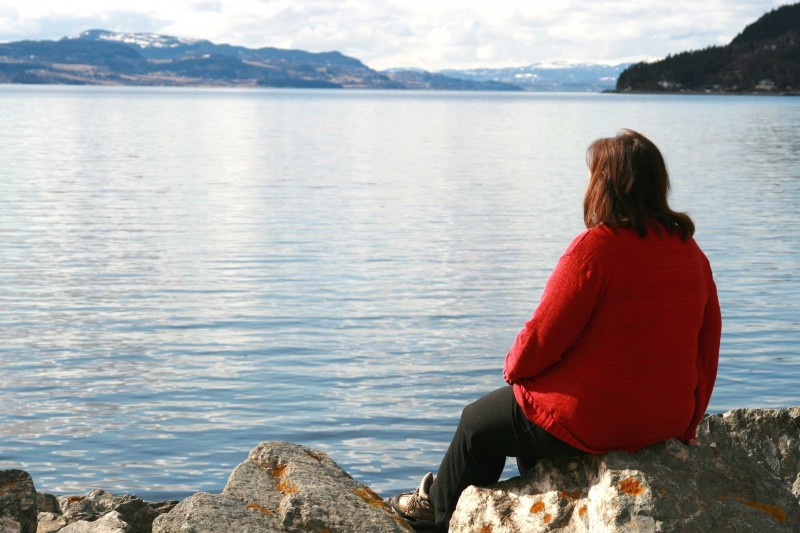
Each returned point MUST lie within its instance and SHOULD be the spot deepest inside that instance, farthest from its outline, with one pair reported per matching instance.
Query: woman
(621, 352)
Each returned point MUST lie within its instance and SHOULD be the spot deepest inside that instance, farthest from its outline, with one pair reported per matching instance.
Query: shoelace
(416, 501)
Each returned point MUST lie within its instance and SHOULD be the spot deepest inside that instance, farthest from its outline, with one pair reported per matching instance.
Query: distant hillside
(561, 76)
(764, 57)
(100, 57)
(153, 46)
(422, 79)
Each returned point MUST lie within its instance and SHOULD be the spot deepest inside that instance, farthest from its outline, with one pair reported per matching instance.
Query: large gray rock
(718, 486)
(18, 512)
(284, 487)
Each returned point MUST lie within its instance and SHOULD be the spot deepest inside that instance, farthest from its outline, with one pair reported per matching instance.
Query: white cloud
(423, 33)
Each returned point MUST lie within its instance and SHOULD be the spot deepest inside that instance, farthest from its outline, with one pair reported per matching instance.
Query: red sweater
(622, 349)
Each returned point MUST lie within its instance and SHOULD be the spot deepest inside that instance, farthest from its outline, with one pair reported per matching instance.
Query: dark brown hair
(629, 185)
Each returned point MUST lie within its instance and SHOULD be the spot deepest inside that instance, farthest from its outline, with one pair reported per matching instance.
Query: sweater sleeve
(569, 297)
(707, 357)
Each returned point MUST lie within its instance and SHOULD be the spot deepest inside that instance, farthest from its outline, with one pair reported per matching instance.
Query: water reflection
(188, 273)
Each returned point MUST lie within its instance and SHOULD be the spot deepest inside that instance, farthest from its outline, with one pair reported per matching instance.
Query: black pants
(491, 429)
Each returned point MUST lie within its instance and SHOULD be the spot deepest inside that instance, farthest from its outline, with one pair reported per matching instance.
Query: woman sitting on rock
(621, 352)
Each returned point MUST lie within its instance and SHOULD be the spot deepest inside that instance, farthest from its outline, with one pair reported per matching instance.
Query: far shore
(709, 92)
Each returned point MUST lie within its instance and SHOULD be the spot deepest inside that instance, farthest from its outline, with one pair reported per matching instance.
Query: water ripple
(186, 273)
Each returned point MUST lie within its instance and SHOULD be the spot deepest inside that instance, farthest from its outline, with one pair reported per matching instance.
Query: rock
(743, 477)
(47, 503)
(111, 522)
(771, 437)
(137, 514)
(18, 513)
(51, 522)
(667, 487)
(284, 487)
(203, 512)
(98, 512)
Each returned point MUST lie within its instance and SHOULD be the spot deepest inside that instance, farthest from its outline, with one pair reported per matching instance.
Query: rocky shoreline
(744, 476)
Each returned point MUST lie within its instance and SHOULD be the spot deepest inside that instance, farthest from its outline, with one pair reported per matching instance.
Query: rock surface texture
(771, 437)
(743, 477)
(98, 512)
(284, 487)
(17, 502)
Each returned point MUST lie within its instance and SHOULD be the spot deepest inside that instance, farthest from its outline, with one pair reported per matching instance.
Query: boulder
(284, 487)
(743, 477)
(17, 502)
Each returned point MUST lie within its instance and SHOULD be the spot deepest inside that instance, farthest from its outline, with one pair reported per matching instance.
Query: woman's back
(628, 377)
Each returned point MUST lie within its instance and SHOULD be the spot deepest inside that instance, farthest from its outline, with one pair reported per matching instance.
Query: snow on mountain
(550, 76)
(142, 40)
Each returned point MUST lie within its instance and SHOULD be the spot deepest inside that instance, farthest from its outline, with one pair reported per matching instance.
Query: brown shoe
(415, 506)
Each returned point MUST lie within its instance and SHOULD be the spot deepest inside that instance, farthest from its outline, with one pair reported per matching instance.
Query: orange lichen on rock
(582, 511)
(773, 510)
(260, 509)
(486, 529)
(279, 471)
(537, 507)
(369, 496)
(287, 488)
(373, 500)
(631, 486)
(547, 518)
(314, 456)
(574, 495)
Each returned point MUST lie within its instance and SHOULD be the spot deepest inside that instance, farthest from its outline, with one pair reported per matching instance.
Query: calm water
(185, 273)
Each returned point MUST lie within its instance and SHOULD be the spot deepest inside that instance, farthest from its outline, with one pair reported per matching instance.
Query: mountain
(153, 46)
(422, 80)
(559, 76)
(764, 57)
(40, 54)
(101, 57)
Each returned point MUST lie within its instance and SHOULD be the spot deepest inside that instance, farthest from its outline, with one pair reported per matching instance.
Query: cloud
(58, 26)
(422, 33)
(212, 6)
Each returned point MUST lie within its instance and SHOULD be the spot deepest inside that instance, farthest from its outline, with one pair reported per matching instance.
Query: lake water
(185, 273)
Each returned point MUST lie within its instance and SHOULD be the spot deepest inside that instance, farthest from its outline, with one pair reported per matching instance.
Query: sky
(428, 34)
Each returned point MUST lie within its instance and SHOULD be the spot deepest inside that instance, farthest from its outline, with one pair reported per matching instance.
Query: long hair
(629, 185)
